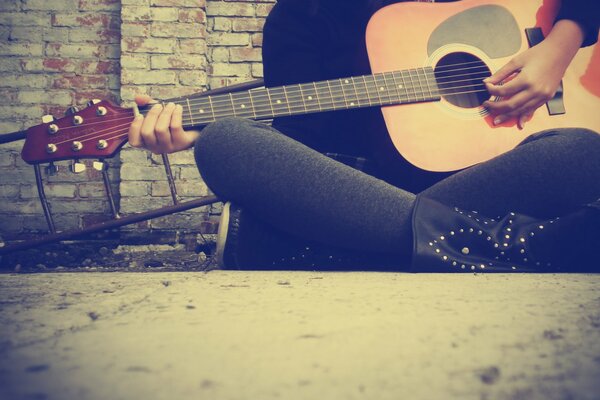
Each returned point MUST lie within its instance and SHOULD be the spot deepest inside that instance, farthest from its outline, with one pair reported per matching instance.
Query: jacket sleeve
(586, 13)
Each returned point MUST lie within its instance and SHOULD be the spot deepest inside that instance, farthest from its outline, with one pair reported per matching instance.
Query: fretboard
(388, 88)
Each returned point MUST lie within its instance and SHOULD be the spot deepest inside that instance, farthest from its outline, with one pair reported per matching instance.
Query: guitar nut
(77, 120)
(51, 148)
(102, 144)
(101, 111)
(76, 146)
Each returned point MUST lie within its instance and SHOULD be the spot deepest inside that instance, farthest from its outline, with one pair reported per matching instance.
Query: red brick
(192, 15)
(99, 5)
(59, 64)
(79, 82)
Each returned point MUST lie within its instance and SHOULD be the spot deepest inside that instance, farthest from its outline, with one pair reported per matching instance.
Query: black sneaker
(243, 242)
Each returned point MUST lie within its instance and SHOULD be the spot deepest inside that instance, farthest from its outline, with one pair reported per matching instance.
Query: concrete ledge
(299, 335)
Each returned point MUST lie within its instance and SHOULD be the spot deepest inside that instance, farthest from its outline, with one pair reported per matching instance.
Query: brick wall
(61, 53)
(53, 54)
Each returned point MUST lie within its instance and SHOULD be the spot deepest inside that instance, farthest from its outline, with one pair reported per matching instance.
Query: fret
(212, 108)
(392, 89)
(280, 104)
(419, 88)
(222, 106)
(333, 99)
(355, 92)
(432, 84)
(318, 97)
(252, 104)
(310, 97)
(268, 91)
(241, 105)
(190, 111)
(346, 86)
(341, 83)
(400, 89)
(302, 98)
(261, 102)
(326, 97)
(203, 110)
(382, 91)
(287, 101)
(412, 95)
(373, 90)
(364, 79)
(232, 105)
(424, 83)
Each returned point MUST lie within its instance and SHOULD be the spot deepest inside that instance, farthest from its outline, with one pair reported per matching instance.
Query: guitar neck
(388, 88)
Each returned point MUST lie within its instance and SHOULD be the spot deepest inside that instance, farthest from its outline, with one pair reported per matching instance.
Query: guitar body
(457, 132)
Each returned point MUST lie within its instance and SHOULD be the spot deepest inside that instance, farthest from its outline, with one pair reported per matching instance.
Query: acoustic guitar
(428, 62)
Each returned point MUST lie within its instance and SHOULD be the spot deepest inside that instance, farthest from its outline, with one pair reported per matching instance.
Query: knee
(583, 135)
(218, 150)
(218, 135)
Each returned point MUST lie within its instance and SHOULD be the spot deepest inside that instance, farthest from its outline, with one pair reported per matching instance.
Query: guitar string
(335, 94)
(217, 100)
(125, 128)
(298, 109)
(226, 112)
(371, 77)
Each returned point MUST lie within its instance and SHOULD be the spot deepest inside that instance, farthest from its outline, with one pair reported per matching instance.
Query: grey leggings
(297, 190)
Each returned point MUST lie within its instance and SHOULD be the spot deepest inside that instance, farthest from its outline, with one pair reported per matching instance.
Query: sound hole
(459, 77)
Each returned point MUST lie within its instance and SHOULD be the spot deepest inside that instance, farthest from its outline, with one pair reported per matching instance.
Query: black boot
(448, 239)
(244, 242)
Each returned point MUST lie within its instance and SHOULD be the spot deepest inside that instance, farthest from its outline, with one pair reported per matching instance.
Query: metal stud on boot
(448, 239)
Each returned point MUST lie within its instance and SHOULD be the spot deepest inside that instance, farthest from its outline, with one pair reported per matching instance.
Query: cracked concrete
(299, 335)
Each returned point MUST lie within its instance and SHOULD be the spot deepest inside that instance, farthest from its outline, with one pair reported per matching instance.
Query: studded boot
(448, 239)
(244, 242)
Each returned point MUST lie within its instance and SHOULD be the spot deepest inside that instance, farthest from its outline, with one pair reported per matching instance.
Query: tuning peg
(71, 110)
(99, 165)
(93, 101)
(77, 167)
(47, 118)
(51, 169)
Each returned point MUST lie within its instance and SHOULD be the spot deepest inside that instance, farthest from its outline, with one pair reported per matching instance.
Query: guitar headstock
(97, 131)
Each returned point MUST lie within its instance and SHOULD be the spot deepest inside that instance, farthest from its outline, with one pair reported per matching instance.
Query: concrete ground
(299, 335)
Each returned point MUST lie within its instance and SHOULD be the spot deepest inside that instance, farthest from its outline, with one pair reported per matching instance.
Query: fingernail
(138, 117)
(499, 120)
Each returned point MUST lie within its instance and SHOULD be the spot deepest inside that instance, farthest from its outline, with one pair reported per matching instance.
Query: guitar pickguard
(490, 28)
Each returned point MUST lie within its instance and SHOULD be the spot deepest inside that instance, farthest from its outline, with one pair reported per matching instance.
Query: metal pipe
(12, 137)
(114, 223)
(109, 192)
(170, 178)
(43, 199)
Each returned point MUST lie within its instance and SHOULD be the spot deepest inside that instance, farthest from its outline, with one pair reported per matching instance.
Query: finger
(531, 105)
(162, 128)
(509, 105)
(147, 130)
(135, 139)
(512, 67)
(524, 118)
(143, 99)
(509, 88)
(178, 135)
